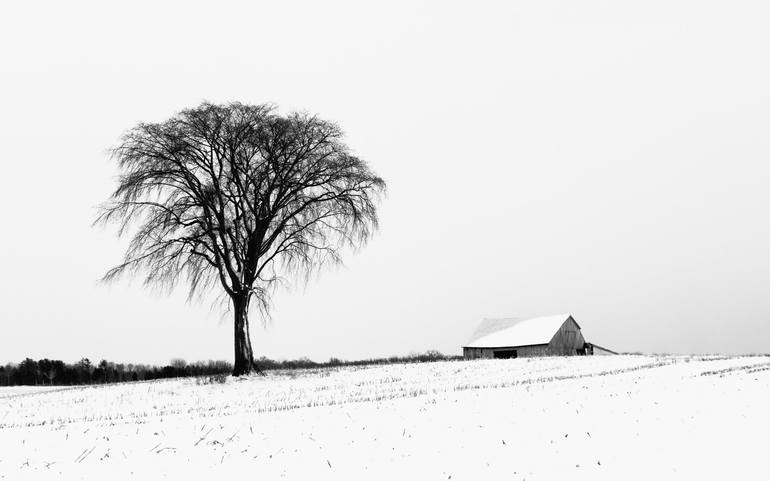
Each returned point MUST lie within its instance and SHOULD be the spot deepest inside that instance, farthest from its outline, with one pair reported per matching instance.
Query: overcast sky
(600, 158)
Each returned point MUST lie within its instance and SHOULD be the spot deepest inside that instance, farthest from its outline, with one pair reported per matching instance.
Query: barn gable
(568, 339)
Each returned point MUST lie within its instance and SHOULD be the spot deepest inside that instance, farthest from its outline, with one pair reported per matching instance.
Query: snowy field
(614, 417)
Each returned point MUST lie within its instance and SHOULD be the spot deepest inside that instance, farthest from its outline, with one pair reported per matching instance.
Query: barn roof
(528, 332)
(488, 326)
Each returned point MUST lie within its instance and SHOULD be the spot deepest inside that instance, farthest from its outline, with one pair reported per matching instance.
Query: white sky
(600, 158)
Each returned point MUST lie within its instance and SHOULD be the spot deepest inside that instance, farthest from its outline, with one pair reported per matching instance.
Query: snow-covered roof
(538, 330)
(488, 326)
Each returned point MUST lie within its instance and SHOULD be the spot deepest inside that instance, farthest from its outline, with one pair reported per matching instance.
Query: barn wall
(521, 351)
(476, 353)
(533, 351)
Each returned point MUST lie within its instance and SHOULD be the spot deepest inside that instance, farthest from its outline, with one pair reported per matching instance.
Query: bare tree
(241, 197)
(48, 369)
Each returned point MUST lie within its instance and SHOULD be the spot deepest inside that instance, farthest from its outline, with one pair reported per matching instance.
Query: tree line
(48, 372)
(304, 363)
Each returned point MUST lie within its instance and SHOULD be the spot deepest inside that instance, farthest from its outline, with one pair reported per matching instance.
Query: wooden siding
(521, 351)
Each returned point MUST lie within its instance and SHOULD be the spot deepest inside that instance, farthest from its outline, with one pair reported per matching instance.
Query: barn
(558, 335)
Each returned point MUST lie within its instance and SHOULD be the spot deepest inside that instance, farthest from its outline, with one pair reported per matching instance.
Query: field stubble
(515, 418)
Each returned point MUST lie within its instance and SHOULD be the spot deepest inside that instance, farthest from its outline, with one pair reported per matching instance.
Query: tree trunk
(244, 356)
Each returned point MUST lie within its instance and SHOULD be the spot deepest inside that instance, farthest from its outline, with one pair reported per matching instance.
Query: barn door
(508, 354)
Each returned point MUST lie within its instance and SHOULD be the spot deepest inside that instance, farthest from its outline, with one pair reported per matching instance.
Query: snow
(538, 330)
(614, 417)
(488, 326)
(9, 391)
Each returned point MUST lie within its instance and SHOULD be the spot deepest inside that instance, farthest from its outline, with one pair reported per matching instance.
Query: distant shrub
(214, 379)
